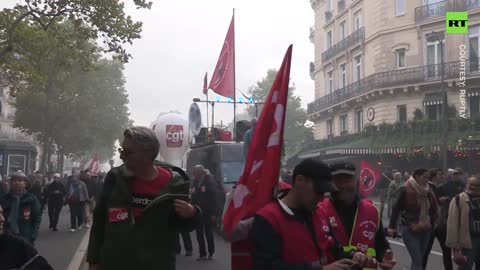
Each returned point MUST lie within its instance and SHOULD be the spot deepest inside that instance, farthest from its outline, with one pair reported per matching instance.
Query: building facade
(379, 61)
(18, 151)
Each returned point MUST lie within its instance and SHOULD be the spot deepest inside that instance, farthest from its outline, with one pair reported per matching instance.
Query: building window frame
(329, 128)
(357, 67)
(399, 114)
(343, 31)
(329, 83)
(474, 34)
(357, 20)
(343, 124)
(329, 39)
(342, 75)
(399, 57)
(470, 105)
(359, 120)
(400, 7)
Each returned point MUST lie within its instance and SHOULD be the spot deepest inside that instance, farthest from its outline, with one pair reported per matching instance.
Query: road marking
(403, 245)
(78, 258)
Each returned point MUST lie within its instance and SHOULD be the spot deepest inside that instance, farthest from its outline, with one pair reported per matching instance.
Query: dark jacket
(15, 252)
(204, 194)
(408, 210)
(77, 191)
(55, 191)
(148, 242)
(30, 215)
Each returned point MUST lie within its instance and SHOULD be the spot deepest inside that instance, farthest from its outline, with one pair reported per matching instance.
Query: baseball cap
(343, 168)
(319, 172)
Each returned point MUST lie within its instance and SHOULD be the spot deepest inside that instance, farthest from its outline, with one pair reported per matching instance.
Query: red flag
(222, 81)
(205, 84)
(93, 166)
(369, 177)
(262, 167)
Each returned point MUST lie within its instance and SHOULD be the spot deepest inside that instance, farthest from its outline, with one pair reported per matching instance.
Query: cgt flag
(369, 176)
(223, 78)
(262, 167)
(93, 166)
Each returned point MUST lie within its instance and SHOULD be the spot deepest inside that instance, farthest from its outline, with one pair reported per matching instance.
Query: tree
(106, 19)
(65, 93)
(295, 131)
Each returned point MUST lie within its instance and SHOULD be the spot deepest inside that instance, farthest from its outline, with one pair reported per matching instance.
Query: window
(329, 39)
(343, 76)
(330, 82)
(342, 32)
(402, 113)
(474, 48)
(359, 121)
(400, 58)
(358, 68)
(231, 171)
(16, 163)
(343, 124)
(329, 128)
(433, 112)
(357, 20)
(399, 7)
(474, 105)
(433, 56)
(329, 5)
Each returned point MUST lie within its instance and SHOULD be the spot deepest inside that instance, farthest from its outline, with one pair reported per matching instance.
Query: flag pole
(207, 111)
(234, 84)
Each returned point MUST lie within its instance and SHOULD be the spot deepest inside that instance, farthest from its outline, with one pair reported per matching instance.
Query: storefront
(17, 155)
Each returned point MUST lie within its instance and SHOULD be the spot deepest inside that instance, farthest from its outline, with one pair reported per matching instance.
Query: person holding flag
(290, 233)
(355, 222)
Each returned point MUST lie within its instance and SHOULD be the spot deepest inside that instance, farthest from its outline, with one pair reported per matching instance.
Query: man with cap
(21, 209)
(289, 234)
(355, 222)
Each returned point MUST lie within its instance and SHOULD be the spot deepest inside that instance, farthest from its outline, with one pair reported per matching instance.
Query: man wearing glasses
(141, 210)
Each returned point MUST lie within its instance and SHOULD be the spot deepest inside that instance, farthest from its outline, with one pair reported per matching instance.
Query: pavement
(59, 248)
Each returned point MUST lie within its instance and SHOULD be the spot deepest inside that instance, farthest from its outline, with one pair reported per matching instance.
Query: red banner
(94, 164)
(222, 81)
(262, 167)
(369, 177)
(205, 84)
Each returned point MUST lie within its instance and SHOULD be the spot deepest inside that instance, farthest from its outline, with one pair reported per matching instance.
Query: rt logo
(456, 22)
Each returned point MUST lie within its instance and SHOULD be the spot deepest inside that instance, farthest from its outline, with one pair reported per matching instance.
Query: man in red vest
(355, 222)
(289, 234)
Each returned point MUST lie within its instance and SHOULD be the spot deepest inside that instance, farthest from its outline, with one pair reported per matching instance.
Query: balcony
(328, 17)
(312, 70)
(355, 38)
(312, 35)
(438, 9)
(341, 5)
(395, 78)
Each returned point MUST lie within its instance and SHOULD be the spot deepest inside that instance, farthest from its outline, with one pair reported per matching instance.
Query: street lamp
(439, 37)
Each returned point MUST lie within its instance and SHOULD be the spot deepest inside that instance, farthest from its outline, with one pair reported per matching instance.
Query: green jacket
(144, 243)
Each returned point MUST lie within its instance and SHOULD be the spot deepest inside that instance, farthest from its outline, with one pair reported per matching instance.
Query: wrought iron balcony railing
(328, 16)
(426, 12)
(351, 40)
(312, 70)
(395, 78)
(312, 35)
(431, 10)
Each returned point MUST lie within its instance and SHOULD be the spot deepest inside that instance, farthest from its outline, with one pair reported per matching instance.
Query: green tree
(295, 132)
(65, 94)
(106, 20)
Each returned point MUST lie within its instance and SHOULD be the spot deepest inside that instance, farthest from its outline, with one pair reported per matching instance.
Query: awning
(473, 93)
(432, 99)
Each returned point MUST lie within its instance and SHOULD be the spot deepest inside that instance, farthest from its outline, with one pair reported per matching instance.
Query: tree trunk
(43, 164)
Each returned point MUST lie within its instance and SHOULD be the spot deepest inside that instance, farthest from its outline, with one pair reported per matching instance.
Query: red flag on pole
(262, 167)
(205, 84)
(93, 166)
(369, 177)
(222, 81)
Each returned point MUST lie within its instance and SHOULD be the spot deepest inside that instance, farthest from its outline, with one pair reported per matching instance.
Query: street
(59, 247)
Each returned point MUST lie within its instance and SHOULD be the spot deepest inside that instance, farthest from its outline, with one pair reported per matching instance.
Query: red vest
(241, 258)
(297, 243)
(367, 221)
